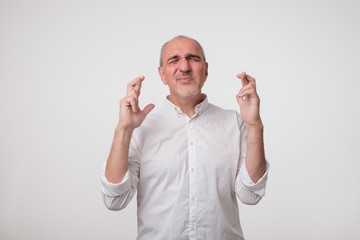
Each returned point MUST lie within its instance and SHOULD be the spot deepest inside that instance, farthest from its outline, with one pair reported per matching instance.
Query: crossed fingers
(248, 86)
(133, 92)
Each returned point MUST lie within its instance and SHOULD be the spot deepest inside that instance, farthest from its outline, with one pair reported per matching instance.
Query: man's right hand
(131, 116)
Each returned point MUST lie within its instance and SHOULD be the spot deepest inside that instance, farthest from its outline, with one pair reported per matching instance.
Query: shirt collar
(176, 111)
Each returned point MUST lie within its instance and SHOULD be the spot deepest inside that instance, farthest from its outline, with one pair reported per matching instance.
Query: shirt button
(193, 198)
(192, 228)
(192, 170)
(191, 143)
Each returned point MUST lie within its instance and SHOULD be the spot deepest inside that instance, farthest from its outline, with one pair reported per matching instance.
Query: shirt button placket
(192, 180)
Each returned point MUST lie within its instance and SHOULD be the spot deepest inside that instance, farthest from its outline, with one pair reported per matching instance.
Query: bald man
(189, 159)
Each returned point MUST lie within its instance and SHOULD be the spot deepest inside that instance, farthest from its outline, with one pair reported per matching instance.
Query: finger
(138, 87)
(139, 84)
(247, 87)
(251, 80)
(133, 93)
(240, 100)
(132, 84)
(247, 92)
(243, 78)
(133, 103)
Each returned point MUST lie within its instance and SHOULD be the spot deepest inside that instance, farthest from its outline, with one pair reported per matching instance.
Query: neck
(187, 105)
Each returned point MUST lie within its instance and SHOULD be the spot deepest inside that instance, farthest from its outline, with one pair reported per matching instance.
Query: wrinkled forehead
(181, 47)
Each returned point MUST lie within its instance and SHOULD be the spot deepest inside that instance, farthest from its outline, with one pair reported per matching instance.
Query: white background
(64, 66)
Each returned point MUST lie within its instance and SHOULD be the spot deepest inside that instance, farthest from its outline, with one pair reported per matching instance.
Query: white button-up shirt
(187, 173)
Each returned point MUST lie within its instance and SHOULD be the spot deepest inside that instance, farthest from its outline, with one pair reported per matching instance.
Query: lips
(184, 79)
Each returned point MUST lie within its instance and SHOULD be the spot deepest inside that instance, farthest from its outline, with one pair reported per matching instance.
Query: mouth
(185, 79)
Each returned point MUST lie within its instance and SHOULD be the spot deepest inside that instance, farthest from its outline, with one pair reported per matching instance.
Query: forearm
(255, 157)
(117, 163)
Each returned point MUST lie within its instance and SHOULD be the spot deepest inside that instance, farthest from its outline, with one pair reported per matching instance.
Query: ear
(162, 75)
(206, 70)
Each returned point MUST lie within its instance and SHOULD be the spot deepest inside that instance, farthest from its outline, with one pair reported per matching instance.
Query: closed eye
(189, 57)
(195, 58)
(173, 59)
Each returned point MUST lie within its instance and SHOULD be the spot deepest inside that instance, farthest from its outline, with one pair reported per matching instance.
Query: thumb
(148, 109)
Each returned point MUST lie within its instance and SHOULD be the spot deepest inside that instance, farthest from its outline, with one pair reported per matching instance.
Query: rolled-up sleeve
(249, 192)
(116, 196)
(114, 189)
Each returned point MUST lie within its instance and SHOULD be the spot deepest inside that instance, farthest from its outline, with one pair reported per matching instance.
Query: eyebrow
(187, 56)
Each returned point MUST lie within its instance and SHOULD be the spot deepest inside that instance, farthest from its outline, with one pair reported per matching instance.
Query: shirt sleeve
(247, 191)
(116, 196)
(114, 189)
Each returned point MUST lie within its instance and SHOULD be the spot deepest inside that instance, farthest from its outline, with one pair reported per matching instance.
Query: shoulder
(216, 110)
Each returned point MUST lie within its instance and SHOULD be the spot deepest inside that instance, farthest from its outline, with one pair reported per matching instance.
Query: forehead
(181, 46)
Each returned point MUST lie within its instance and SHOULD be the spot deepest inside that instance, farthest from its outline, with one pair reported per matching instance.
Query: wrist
(120, 129)
(255, 126)
(255, 134)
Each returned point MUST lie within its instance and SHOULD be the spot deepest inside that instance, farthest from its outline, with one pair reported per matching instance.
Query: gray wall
(64, 66)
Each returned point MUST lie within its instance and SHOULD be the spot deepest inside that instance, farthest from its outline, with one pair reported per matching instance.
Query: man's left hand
(249, 100)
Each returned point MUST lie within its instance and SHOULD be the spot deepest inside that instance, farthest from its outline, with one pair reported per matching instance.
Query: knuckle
(132, 94)
(123, 100)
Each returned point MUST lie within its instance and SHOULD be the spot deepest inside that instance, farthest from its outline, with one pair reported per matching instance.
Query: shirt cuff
(114, 189)
(247, 182)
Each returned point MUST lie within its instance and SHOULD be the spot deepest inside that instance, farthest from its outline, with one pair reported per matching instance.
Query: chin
(189, 94)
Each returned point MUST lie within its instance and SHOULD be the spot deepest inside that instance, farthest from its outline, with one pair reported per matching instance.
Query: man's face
(184, 69)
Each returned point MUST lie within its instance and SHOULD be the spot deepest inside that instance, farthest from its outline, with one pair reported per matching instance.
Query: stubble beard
(187, 93)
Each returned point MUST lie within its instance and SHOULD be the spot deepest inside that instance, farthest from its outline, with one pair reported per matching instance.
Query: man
(189, 159)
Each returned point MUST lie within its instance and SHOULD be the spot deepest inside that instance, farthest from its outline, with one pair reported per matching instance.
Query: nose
(184, 65)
